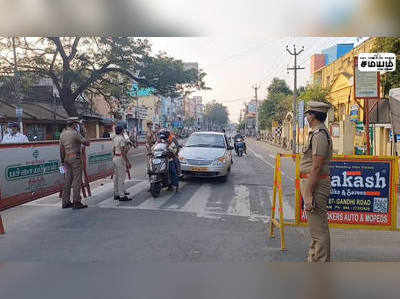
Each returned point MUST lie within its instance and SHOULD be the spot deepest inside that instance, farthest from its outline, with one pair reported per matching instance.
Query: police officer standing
(150, 137)
(315, 185)
(121, 164)
(70, 152)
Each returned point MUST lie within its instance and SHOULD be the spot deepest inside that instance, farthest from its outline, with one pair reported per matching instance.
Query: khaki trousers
(73, 177)
(318, 222)
(119, 176)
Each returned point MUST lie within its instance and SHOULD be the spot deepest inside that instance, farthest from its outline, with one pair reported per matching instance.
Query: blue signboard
(360, 192)
(141, 92)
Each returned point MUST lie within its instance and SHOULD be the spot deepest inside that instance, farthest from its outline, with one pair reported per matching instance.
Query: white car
(206, 154)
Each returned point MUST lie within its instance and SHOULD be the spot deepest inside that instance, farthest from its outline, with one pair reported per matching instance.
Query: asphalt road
(207, 222)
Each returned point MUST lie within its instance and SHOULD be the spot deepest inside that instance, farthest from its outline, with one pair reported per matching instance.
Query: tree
(276, 105)
(104, 66)
(389, 45)
(216, 114)
(278, 86)
(315, 92)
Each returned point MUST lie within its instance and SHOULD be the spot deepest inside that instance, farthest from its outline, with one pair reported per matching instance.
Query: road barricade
(30, 171)
(364, 191)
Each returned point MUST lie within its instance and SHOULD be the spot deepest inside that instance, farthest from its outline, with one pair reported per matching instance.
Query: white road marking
(269, 164)
(134, 190)
(240, 204)
(261, 158)
(198, 201)
(156, 203)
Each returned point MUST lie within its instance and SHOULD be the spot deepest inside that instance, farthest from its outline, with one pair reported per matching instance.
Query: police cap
(13, 125)
(318, 107)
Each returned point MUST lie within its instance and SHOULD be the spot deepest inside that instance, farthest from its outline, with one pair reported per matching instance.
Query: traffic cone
(2, 231)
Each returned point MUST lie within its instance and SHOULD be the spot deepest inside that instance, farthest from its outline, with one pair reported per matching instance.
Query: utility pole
(256, 87)
(16, 88)
(294, 68)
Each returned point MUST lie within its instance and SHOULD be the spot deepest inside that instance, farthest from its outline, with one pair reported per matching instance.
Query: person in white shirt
(14, 136)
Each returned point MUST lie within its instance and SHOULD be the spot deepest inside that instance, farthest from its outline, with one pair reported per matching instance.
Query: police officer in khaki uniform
(70, 152)
(150, 137)
(121, 163)
(315, 182)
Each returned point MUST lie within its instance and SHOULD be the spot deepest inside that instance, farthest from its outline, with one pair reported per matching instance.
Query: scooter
(239, 147)
(158, 169)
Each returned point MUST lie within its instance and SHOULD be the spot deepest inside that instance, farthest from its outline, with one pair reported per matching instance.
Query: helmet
(163, 134)
(119, 129)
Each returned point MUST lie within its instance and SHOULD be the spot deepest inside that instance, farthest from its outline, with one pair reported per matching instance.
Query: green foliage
(276, 106)
(216, 114)
(278, 86)
(104, 66)
(315, 92)
(389, 45)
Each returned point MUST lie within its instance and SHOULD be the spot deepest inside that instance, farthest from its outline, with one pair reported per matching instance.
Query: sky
(234, 64)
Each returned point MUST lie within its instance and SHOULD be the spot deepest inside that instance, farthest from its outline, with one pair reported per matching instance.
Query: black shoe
(79, 205)
(125, 198)
(67, 205)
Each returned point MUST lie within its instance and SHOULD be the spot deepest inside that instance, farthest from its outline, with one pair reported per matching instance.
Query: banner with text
(31, 171)
(362, 192)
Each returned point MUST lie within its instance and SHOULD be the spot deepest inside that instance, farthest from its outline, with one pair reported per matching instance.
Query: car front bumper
(205, 171)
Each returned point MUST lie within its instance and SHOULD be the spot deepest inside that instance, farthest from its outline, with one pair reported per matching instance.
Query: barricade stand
(366, 221)
(278, 185)
(2, 230)
(85, 183)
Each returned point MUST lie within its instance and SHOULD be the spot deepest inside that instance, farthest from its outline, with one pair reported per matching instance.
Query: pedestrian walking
(121, 164)
(71, 142)
(315, 185)
(13, 135)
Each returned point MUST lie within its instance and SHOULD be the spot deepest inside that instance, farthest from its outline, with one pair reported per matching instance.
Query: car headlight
(221, 161)
(182, 160)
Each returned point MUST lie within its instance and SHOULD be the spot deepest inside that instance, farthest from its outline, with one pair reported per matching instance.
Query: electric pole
(17, 89)
(256, 87)
(295, 68)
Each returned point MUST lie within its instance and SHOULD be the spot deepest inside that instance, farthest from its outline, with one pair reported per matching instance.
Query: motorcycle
(158, 168)
(239, 147)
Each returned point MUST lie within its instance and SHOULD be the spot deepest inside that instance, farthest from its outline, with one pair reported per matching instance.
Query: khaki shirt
(119, 144)
(150, 140)
(72, 141)
(317, 145)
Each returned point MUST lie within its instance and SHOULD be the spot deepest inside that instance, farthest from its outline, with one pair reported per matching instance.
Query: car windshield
(206, 140)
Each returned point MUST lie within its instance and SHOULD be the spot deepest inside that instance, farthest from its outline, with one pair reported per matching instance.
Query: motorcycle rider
(236, 138)
(173, 149)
